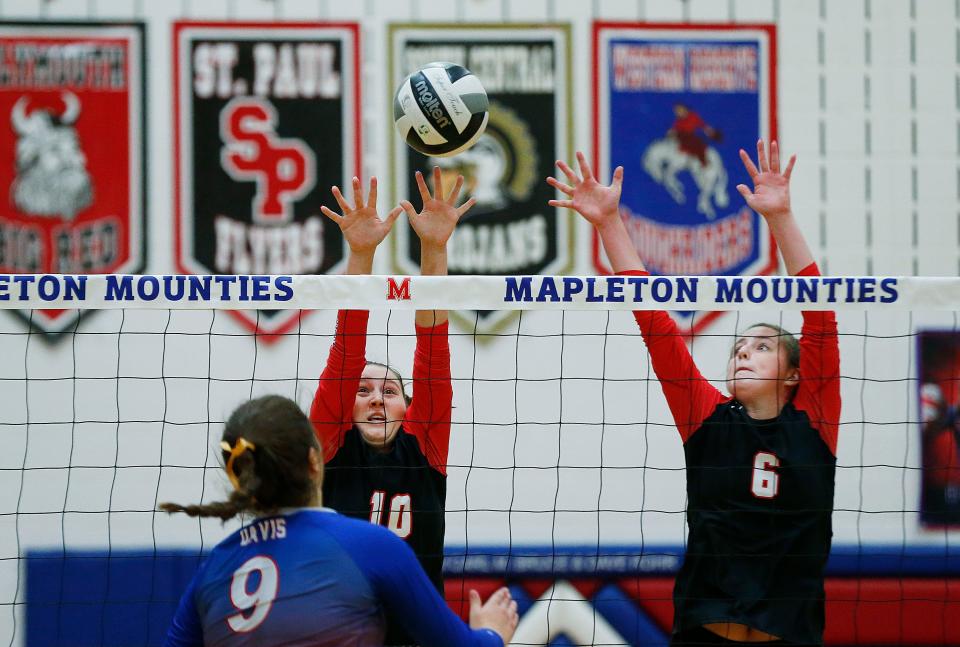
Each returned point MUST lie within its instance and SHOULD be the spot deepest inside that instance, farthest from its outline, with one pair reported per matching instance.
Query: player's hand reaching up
(435, 223)
(771, 199)
(498, 613)
(771, 188)
(361, 226)
(597, 203)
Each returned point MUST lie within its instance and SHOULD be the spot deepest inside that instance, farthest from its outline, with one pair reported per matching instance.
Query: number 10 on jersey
(400, 519)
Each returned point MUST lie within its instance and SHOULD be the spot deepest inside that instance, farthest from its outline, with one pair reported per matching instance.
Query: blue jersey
(310, 577)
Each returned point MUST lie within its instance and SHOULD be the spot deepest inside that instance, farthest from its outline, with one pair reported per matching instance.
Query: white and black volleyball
(441, 109)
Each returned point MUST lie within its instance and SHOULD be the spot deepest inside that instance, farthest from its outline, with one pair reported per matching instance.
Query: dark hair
(275, 473)
(787, 339)
(403, 389)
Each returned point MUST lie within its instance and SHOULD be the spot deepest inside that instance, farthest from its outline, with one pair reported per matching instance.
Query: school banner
(939, 407)
(525, 70)
(267, 120)
(673, 106)
(72, 188)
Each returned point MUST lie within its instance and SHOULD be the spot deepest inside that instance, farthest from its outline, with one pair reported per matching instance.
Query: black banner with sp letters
(266, 121)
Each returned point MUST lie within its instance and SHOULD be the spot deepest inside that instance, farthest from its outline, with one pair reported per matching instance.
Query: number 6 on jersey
(766, 482)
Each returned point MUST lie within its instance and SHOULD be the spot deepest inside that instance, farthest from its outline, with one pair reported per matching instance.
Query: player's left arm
(186, 629)
(819, 390)
(428, 417)
(770, 198)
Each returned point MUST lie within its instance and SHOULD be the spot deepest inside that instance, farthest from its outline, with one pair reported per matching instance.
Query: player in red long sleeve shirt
(761, 461)
(386, 453)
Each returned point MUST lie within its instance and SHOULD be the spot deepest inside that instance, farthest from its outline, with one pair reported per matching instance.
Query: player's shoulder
(350, 450)
(274, 526)
(725, 409)
(373, 548)
(358, 531)
(408, 450)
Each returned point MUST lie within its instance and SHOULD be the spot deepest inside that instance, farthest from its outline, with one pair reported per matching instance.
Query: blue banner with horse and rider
(673, 105)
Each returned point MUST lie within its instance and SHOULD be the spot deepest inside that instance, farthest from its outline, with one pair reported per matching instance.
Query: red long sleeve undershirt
(692, 398)
(427, 417)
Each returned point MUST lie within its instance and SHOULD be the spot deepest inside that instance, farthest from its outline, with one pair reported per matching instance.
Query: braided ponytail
(266, 448)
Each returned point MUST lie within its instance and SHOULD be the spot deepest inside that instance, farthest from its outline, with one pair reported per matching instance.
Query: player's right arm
(332, 408)
(690, 396)
(400, 583)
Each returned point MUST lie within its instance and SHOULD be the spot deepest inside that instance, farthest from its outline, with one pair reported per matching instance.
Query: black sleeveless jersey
(398, 489)
(759, 492)
(759, 506)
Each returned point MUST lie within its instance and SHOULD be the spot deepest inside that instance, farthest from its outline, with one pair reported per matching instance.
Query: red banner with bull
(267, 120)
(673, 106)
(71, 153)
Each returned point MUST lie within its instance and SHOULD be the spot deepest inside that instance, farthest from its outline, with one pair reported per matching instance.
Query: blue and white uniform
(309, 577)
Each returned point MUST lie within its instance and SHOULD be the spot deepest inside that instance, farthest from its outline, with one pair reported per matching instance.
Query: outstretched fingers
(392, 217)
(422, 186)
(560, 186)
(331, 214)
(565, 168)
(465, 207)
(357, 193)
(789, 169)
(585, 171)
(408, 207)
(455, 193)
(762, 156)
(372, 196)
(617, 182)
(563, 204)
(340, 199)
(774, 156)
(749, 165)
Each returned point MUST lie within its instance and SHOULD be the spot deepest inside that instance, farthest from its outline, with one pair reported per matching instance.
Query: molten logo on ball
(441, 109)
(431, 105)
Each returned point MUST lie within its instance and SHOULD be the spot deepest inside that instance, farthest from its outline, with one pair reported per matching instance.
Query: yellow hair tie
(238, 448)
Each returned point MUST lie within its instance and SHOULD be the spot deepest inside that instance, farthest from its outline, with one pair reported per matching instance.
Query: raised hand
(498, 613)
(771, 189)
(597, 203)
(361, 226)
(434, 224)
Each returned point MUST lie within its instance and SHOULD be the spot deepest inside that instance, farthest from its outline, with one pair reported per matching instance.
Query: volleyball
(441, 109)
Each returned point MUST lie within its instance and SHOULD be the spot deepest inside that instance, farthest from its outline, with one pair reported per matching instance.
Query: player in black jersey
(761, 461)
(385, 453)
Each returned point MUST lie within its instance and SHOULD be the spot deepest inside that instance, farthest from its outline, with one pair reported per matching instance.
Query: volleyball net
(565, 471)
